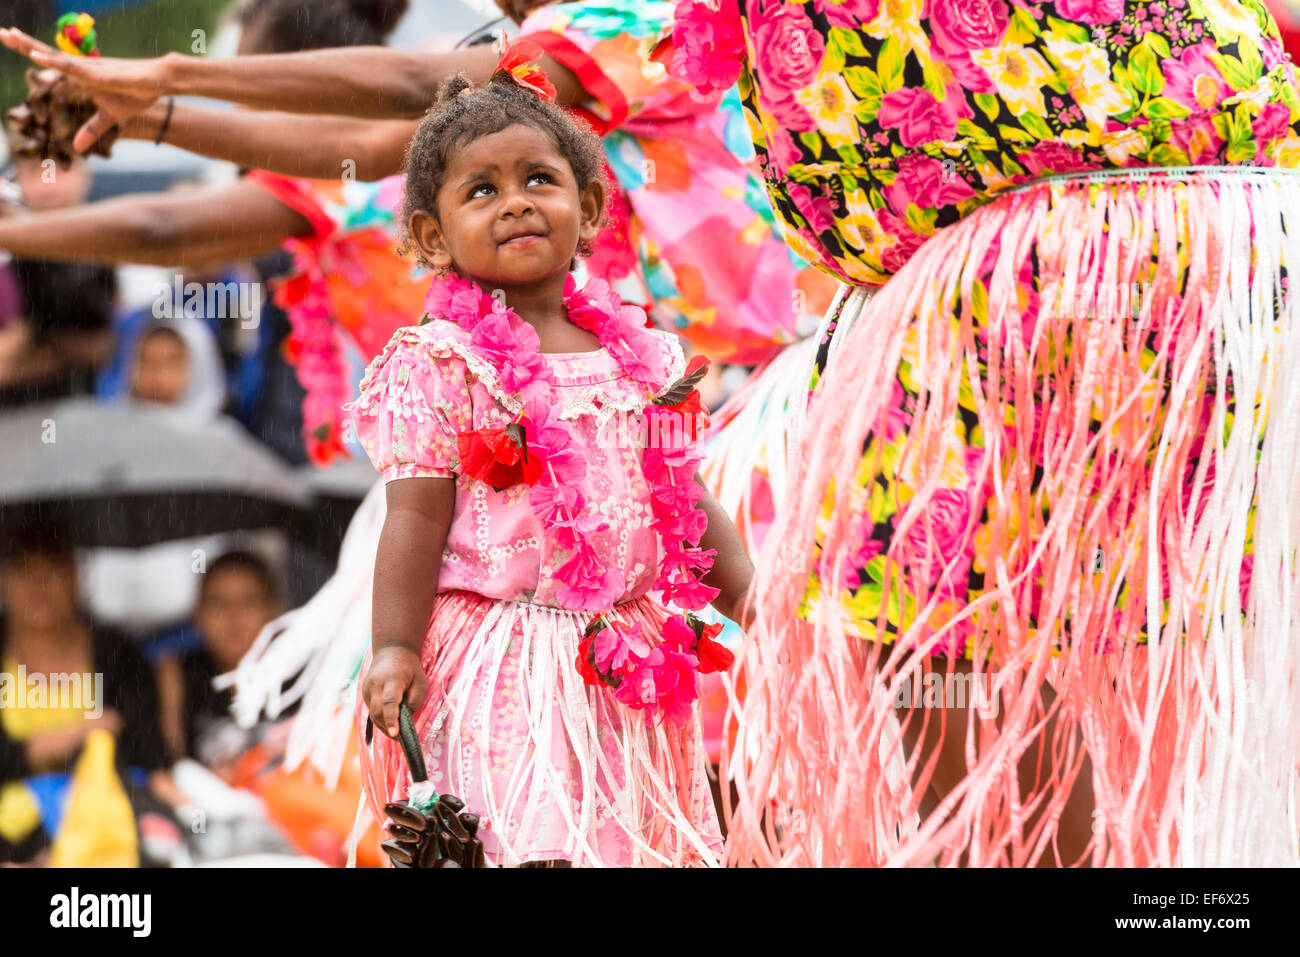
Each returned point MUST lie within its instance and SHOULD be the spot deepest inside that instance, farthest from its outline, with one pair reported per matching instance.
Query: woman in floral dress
(1014, 589)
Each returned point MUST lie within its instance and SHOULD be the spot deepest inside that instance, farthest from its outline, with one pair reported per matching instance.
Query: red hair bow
(518, 63)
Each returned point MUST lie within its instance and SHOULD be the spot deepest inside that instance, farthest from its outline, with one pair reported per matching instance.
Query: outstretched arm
(183, 229)
(356, 81)
(292, 144)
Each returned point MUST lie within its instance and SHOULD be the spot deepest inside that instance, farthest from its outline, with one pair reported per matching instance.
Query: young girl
(524, 529)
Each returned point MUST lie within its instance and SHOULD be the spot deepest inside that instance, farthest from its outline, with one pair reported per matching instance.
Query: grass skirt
(556, 769)
(1043, 446)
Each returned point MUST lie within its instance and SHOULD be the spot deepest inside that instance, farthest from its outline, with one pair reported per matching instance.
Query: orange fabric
(314, 819)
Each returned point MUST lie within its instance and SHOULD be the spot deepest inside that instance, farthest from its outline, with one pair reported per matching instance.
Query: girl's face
(39, 590)
(161, 370)
(510, 213)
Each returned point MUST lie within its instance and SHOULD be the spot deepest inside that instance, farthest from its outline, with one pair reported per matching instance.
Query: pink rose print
(906, 242)
(1247, 572)
(1273, 122)
(1273, 53)
(787, 46)
(782, 150)
(868, 549)
(918, 116)
(959, 26)
(940, 536)
(1193, 80)
(969, 75)
(921, 180)
(850, 13)
(1091, 11)
(896, 417)
(1198, 138)
(1047, 158)
(815, 207)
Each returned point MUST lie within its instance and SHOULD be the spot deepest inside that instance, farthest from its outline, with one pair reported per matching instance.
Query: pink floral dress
(558, 770)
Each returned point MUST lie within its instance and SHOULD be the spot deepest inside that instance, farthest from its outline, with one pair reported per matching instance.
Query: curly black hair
(290, 26)
(462, 114)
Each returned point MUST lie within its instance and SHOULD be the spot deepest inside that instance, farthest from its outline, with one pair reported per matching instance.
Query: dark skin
(510, 214)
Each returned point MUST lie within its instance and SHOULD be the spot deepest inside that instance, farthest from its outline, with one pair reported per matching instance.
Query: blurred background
(158, 508)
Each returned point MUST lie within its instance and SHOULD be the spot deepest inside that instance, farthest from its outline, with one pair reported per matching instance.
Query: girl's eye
(477, 190)
(544, 177)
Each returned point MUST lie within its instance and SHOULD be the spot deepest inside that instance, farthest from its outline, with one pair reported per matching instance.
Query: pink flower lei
(512, 347)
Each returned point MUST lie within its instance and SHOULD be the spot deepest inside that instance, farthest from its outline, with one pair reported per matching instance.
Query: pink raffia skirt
(1062, 443)
(558, 770)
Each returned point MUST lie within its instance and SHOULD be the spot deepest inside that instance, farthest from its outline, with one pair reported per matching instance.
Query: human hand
(121, 87)
(395, 676)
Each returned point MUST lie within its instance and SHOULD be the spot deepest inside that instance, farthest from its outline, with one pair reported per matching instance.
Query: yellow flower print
(830, 102)
(1286, 153)
(1086, 70)
(900, 20)
(1258, 95)
(1122, 144)
(1020, 75)
(860, 222)
(1230, 18)
(992, 176)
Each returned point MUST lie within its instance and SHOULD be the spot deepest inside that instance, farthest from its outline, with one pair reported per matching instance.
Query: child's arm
(732, 570)
(407, 564)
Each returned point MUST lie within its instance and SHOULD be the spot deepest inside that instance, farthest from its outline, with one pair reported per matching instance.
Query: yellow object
(21, 722)
(84, 24)
(98, 828)
(19, 812)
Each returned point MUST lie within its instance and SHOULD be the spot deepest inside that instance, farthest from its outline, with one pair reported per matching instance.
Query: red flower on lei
(660, 678)
(498, 457)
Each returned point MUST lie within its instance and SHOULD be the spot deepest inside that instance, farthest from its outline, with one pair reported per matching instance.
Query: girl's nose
(516, 203)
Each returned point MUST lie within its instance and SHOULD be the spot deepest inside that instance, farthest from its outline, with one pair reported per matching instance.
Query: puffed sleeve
(415, 399)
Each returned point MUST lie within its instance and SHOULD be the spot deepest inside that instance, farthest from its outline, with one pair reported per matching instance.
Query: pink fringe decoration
(1189, 742)
(632, 792)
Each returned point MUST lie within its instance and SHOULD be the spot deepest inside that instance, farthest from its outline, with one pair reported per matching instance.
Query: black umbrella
(127, 475)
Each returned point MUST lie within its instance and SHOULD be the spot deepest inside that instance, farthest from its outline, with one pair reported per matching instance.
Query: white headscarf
(204, 395)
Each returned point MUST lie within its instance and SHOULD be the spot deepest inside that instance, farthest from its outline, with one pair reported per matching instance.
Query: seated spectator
(236, 599)
(44, 634)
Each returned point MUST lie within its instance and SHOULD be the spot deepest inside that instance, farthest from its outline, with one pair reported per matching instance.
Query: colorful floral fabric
(691, 213)
(349, 291)
(879, 122)
(429, 384)
(948, 548)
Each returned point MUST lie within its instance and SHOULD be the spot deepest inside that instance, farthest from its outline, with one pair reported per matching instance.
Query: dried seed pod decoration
(46, 122)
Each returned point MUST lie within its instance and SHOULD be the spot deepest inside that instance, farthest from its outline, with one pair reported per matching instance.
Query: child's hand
(395, 675)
